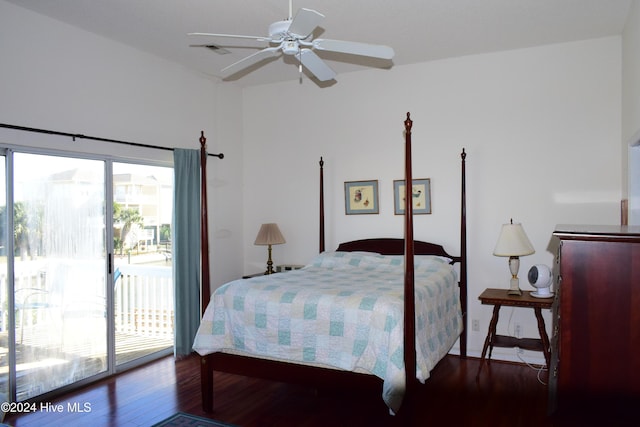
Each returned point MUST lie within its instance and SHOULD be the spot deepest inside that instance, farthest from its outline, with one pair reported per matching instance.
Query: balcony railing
(143, 301)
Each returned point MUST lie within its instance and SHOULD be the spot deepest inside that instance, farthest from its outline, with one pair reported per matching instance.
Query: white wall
(631, 112)
(541, 127)
(54, 76)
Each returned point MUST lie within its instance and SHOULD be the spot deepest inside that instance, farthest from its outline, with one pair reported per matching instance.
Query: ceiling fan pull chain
(300, 62)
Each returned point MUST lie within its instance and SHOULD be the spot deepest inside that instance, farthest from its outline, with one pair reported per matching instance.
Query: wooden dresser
(595, 344)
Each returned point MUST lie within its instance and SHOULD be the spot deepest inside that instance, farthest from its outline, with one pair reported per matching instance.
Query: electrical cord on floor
(539, 369)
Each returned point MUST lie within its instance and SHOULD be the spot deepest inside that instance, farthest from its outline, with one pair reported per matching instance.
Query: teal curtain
(186, 248)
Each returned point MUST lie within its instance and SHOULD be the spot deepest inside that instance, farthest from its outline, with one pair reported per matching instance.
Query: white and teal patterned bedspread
(343, 310)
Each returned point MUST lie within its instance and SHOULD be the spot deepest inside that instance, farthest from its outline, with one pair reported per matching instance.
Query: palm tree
(127, 218)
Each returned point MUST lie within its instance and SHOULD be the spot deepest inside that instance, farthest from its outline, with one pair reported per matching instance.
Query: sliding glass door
(86, 286)
(59, 271)
(143, 282)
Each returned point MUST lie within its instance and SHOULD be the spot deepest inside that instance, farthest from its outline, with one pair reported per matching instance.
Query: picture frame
(361, 197)
(421, 199)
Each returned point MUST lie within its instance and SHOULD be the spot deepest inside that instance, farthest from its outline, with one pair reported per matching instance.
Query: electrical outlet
(518, 330)
(475, 325)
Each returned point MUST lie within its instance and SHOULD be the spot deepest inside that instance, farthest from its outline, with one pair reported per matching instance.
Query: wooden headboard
(392, 246)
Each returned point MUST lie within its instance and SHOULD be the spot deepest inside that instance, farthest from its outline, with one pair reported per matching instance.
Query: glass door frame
(9, 224)
(8, 150)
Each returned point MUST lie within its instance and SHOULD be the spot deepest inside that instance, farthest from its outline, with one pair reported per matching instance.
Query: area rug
(181, 419)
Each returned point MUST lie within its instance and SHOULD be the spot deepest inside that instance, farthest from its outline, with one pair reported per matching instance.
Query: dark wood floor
(506, 394)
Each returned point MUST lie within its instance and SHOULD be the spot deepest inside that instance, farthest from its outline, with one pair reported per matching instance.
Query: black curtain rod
(93, 138)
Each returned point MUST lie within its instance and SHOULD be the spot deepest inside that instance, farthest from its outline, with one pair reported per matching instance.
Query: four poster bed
(343, 319)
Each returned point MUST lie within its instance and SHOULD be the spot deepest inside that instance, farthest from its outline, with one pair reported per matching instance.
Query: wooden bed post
(206, 383)
(463, 255)
(205, 288)
(321, 206)
(409, 279)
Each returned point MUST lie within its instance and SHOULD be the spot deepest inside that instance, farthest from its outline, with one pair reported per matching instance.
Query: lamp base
(269, 263)
(514, 287)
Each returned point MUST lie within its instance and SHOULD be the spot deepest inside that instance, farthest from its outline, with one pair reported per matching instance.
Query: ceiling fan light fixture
(290, 47)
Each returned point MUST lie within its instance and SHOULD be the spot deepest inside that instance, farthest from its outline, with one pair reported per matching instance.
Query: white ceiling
(418, 30)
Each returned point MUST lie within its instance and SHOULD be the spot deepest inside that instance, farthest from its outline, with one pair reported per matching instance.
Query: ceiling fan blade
(250, 60)
(354, 48)
(305, 21)
(259, 38)
(315, 65)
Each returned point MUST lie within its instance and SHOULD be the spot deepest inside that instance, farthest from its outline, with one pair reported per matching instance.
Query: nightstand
(498, 298)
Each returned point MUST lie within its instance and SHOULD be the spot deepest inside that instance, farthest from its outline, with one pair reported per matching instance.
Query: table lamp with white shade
(513, 243)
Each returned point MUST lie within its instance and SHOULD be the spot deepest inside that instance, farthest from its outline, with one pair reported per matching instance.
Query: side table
(499, 298)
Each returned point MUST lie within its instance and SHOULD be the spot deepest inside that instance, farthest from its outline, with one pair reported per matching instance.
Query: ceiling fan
(294, 37)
